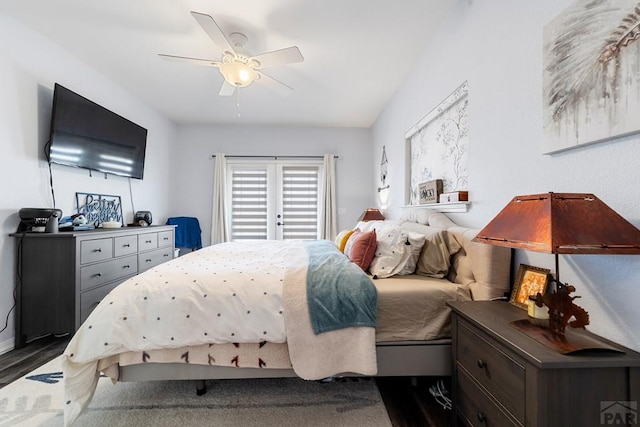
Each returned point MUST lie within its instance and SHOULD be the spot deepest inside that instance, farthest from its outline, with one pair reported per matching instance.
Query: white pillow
(416, 242)
(391, 254)
(397, 253)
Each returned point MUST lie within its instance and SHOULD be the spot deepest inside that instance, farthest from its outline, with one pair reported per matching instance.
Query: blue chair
(187, 232)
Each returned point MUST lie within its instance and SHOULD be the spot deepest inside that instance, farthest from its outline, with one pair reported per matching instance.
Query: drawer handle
(166, 255)
(481, 364)
(147, 260)
(482, 417)
(97, 250)
(147, 241)
(165, 238)
(126, 266)
(97, 275)
(126, 245)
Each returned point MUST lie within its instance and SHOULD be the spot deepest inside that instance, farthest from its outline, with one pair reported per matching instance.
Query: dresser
(502, 377)
(61, 277)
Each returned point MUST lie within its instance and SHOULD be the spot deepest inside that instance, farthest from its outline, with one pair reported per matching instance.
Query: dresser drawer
(476, 408)
(153, 258)
(165, 238)
(96, 250)
(104, 272)
(499, 374)
(147, 241)
(89, 300)
(125, 245)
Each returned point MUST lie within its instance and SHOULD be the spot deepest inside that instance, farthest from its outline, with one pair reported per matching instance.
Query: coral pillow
(361, 248)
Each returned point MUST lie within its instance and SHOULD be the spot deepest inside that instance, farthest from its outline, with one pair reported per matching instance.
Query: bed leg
(201, 387)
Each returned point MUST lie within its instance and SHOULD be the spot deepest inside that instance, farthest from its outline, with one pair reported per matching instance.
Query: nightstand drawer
(476, 408)
(501, 375)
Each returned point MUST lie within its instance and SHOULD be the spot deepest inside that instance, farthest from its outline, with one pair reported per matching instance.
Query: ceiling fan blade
(274, 85)
(226, 89)
(197, 61)
(213, 31)
(287, 55)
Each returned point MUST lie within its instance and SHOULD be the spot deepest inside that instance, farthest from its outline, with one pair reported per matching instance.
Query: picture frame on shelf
(430, 191)
(529, 281)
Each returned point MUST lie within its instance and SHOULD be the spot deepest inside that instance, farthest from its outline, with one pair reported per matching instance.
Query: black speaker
(142, 218)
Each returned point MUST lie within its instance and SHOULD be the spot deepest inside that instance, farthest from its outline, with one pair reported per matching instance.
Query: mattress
(413, 307)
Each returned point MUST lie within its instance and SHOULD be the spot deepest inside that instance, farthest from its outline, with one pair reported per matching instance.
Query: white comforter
(200, 298)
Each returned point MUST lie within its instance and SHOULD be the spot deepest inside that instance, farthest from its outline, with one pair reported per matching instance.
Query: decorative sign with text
(99, 208)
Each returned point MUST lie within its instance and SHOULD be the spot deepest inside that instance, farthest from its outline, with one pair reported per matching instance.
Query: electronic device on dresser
(40, 220)
(142, 218)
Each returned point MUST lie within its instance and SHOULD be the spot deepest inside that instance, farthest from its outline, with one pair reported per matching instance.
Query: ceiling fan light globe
(238, 74)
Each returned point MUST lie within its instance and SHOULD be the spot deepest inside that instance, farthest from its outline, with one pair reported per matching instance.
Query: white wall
(497, 47)
(29, 67)
(192, 182)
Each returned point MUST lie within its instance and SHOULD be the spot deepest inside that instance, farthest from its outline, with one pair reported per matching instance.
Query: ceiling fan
(237, 68)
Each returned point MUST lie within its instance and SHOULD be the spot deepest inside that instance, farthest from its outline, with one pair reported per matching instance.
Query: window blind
(249, 204)
(300, 202)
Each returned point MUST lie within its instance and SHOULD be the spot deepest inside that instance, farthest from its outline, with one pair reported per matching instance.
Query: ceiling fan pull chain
(238, 101)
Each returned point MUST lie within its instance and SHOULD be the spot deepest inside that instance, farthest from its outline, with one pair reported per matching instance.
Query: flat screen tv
(87, 135)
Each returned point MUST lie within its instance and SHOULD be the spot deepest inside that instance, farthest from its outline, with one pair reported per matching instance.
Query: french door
(275, 199)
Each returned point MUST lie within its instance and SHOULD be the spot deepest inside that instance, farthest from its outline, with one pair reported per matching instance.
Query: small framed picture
(429, 191)
(529, 281)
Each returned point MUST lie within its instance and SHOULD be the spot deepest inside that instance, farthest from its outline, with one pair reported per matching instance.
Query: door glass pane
(248, 204)
(300, 202)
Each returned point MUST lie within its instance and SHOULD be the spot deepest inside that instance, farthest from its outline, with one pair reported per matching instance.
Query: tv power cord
(439, 392)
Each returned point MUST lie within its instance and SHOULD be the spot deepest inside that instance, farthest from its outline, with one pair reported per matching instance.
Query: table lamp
(561, 223)
(371, 214)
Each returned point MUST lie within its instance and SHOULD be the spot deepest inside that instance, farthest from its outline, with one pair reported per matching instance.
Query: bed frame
(485, 268)
(395, 359)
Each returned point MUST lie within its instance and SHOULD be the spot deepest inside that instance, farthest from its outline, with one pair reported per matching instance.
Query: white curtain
(328, 210)
(219, 218)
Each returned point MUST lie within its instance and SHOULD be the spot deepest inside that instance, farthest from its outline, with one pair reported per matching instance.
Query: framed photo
(529, 281)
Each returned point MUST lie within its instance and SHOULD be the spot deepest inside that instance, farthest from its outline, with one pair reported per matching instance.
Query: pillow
(414, 248)
(435, 258)
(342, 237)
(397, 253)
(361, 248)
(391, 253)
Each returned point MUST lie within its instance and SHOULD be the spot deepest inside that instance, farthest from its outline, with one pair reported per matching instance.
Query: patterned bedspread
(227, 293)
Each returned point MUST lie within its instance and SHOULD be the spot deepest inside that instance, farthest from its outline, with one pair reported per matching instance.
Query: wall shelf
(453, 207)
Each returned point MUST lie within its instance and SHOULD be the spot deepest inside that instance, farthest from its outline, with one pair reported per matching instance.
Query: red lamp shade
(371, 214)
(561, 223)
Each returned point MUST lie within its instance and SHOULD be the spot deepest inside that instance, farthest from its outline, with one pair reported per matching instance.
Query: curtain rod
(274, 157)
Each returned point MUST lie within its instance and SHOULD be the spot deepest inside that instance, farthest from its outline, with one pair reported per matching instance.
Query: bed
(253, 317)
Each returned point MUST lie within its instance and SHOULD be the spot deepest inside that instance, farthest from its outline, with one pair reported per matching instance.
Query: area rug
(36, 400)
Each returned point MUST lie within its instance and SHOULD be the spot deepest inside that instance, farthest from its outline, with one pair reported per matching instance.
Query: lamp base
(571, 342)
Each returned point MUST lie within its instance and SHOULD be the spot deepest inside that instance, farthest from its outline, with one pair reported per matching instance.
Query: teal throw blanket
(339, 293)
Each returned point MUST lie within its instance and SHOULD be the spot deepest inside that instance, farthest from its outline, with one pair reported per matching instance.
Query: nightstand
(502, 377)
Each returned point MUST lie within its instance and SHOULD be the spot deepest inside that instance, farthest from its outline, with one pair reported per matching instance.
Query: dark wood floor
(408, 404)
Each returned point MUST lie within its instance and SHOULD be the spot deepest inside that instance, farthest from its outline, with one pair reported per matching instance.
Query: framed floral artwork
(438, 146)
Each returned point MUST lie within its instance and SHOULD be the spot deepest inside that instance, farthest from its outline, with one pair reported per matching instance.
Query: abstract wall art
(591, 77)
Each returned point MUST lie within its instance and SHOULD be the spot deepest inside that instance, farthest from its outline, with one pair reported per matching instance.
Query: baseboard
(7, 346)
